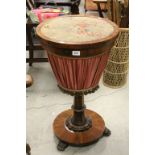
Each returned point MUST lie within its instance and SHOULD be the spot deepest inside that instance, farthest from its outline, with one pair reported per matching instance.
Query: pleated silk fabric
(78, 74)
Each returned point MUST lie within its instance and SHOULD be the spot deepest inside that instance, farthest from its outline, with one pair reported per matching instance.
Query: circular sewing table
(78, 48)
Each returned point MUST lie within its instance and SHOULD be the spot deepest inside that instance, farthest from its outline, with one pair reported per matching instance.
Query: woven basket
(115, 67)
(115, 80)
(116, 71)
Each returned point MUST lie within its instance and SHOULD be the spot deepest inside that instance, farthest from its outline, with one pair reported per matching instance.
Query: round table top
(77, 29)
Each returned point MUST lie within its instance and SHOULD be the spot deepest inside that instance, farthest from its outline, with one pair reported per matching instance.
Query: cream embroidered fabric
(76, 29)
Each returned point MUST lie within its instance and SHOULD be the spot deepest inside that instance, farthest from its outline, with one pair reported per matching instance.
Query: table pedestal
(79, 126)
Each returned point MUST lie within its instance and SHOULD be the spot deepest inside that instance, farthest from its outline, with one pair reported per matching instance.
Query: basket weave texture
(116, 71)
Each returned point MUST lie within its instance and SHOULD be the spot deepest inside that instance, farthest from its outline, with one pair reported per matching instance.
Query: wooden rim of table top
(78, 45)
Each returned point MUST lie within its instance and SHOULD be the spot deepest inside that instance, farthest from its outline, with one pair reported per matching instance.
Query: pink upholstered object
(43, 14)
(78, 74)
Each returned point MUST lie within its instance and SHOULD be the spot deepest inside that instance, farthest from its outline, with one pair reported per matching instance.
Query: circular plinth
(79, 138)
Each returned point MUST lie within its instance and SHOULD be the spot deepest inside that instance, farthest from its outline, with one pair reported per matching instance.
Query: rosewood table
(78, 49)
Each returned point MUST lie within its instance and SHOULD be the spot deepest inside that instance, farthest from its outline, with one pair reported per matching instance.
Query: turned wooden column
(78, 107)
(78, 121)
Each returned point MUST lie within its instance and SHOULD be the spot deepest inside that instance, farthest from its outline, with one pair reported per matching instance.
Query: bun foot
(106, 132)
(62, 145)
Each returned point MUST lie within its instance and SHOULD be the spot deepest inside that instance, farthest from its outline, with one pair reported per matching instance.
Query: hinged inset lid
(75, 30)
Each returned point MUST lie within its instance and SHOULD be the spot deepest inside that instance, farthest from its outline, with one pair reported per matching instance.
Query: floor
(45, 101)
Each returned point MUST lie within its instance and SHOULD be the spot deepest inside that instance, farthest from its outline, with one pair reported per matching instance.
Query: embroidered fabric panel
(76, 30)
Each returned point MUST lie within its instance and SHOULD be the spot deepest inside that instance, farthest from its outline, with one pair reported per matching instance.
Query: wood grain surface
(79, 138)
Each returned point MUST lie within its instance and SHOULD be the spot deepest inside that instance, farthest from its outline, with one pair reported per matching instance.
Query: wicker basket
(115, 80)
(116, 71)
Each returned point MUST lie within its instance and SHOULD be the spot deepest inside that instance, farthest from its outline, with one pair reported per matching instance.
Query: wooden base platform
(68, 137)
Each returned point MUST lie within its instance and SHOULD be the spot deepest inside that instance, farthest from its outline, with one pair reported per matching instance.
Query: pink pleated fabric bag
(78, 74)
